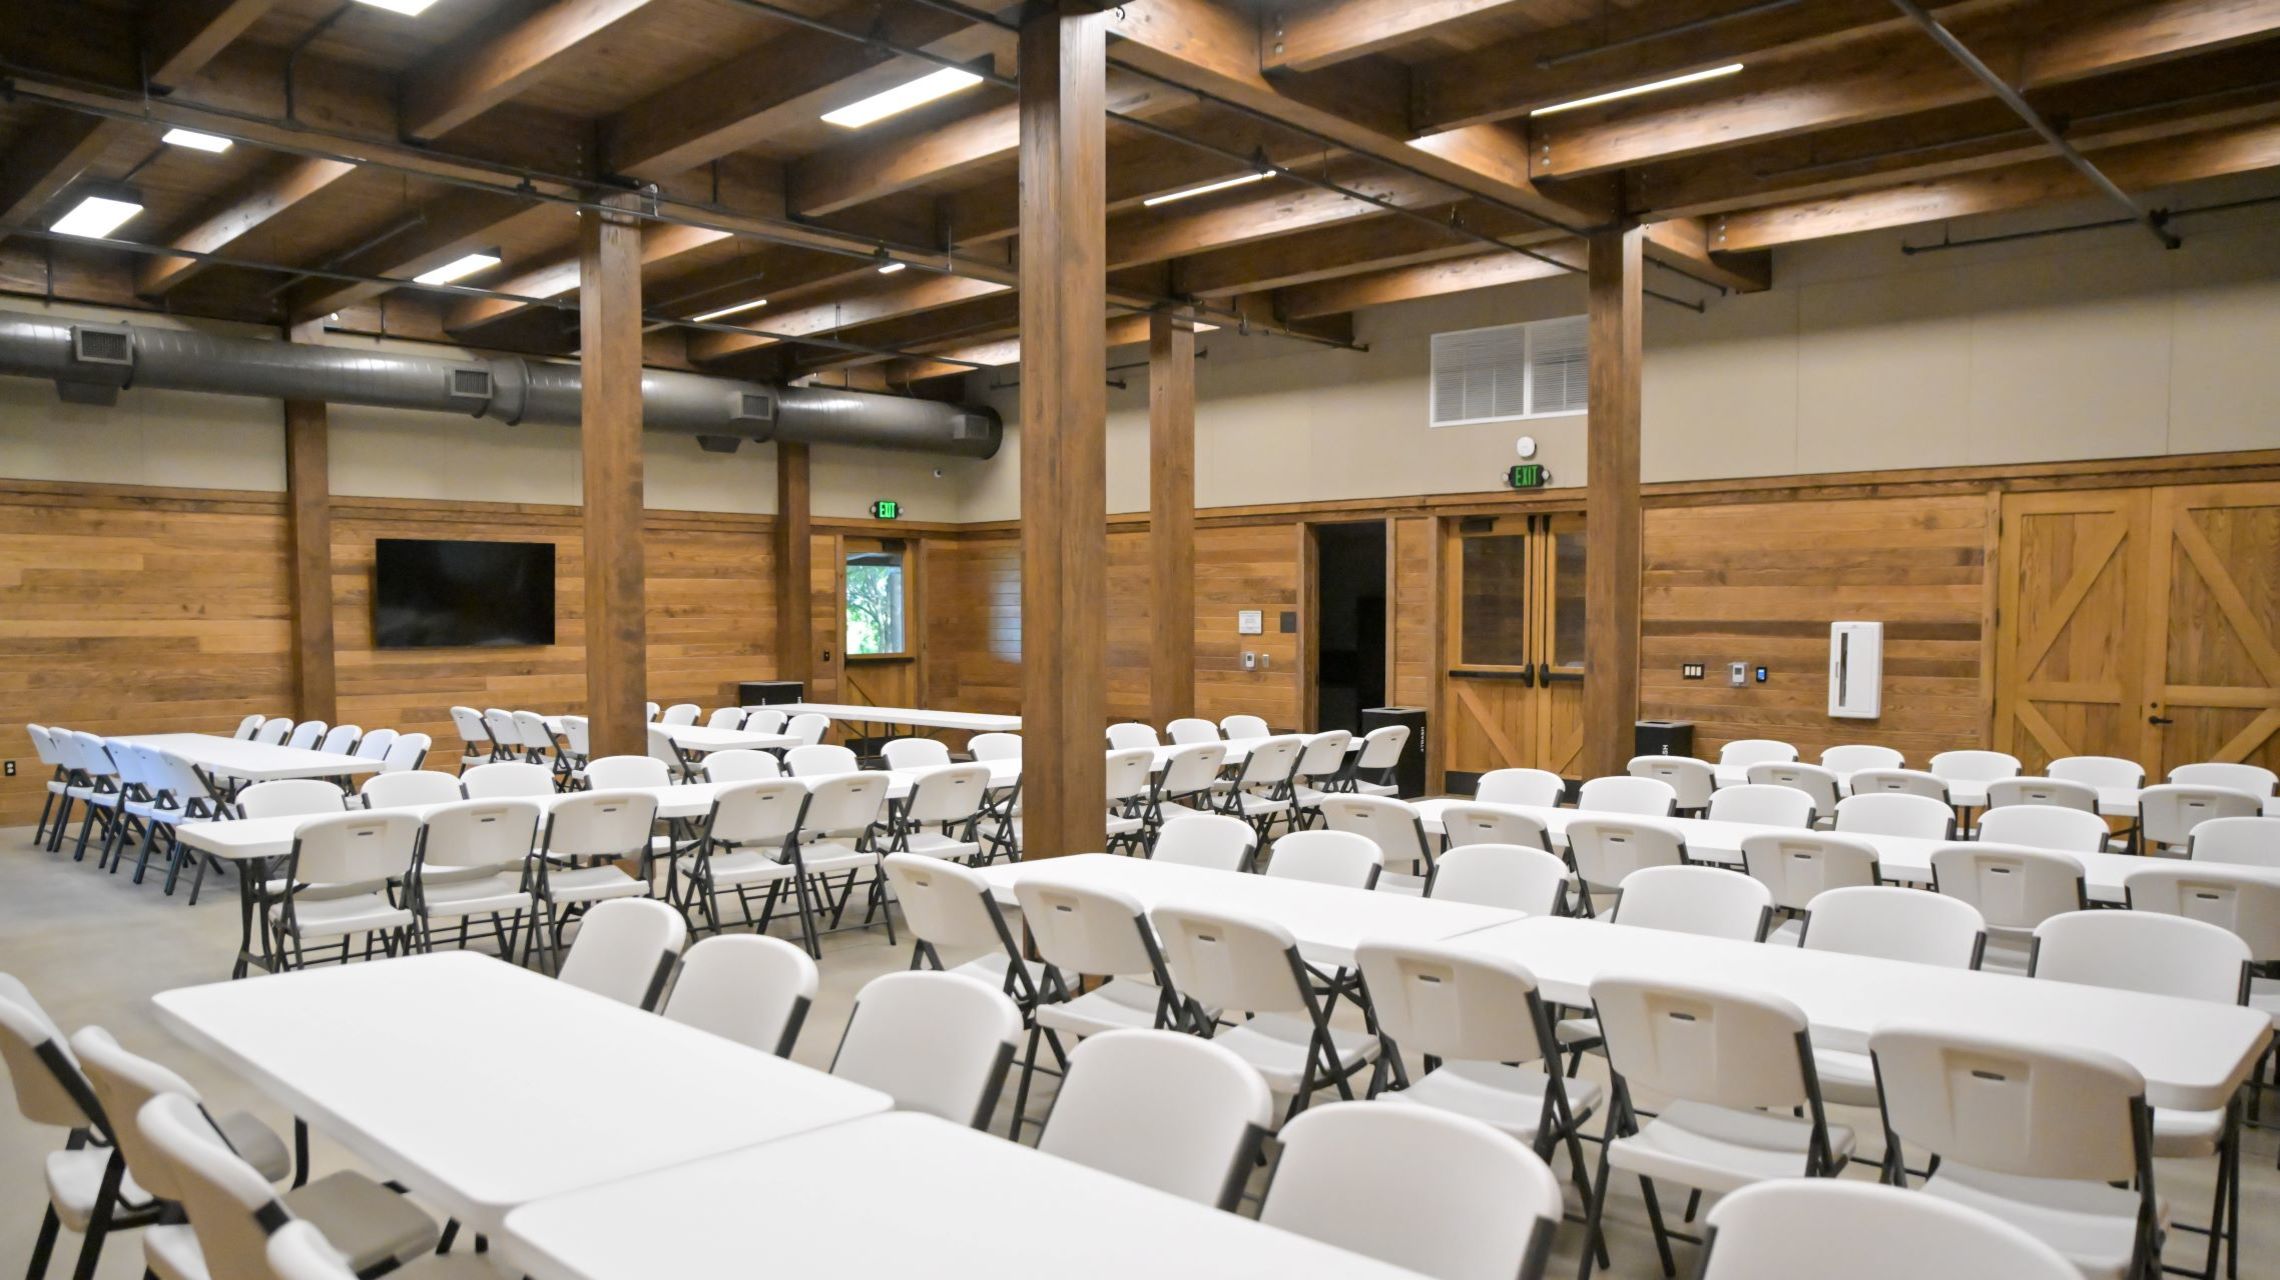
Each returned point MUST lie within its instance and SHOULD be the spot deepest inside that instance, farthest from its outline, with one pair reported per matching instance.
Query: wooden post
(609, 362)
(1612, 522)
(1171, 515)
(1064, 427)
(308, 493)
(795, 623)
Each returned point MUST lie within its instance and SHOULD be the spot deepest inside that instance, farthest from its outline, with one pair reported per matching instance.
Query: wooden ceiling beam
(1311, 37)
(2138, 167)
(927, 293)
(285, 186)
(457, 223)
(557, 277)
(997, 351)
(959, 322)
(1683, 244)
(502, 62)
(55, 150)
(1424, 280)
(181, 36)
(1343, 250)
(1284, 207)
(1892, 72)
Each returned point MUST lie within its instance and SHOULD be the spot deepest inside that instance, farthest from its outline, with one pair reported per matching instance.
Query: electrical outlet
(11, 768)
(1690, 670)
(1250, 660)
(1740, 674)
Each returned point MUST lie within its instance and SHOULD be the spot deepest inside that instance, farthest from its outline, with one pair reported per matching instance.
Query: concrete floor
(94, 948)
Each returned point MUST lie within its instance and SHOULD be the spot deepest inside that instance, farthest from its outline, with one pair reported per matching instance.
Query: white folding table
(2194, 1054)
(253, 761)
(483, 1086)
(902, 1195)
(702, 738)
(907, 717)
(1326, 919)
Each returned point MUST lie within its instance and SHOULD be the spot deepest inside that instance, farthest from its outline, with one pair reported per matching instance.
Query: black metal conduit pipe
(2168, 216)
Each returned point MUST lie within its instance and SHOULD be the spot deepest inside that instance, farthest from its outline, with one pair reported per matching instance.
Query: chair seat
(1251, 806)
(1577, 1031)
(1125, 826)
(257, 1144)
(1847, 1079)
(2093, 1224)
(994, 968)
(822, 857)
(1507, 1097)
(1788, 933)
(75, 1178)
(592, 884)
(1719, 1149)
(365, 1221)
(1376, 789)
(1276, 1045)
(1114, 1005)
(933, 844)
(330, 917)
(2006, 951)
(502, 892)
(740, 867)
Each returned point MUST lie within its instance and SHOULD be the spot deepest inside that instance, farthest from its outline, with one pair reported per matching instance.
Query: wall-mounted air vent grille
(92, 345)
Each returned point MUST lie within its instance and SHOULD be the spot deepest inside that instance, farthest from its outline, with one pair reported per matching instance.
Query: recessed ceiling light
(459, 268)
(100, 212)
(730, 311)
(409, 8)
(902, 97)
(892, 267)
(1692, 77)
(1204, 190)
(193, 139)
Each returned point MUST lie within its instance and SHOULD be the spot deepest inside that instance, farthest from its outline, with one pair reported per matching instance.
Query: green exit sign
(1529, 475)
(886, 509)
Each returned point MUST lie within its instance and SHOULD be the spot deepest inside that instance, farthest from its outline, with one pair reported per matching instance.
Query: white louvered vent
(1508, 371)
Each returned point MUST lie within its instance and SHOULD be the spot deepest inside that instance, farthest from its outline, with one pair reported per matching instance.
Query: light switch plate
(1690, 670)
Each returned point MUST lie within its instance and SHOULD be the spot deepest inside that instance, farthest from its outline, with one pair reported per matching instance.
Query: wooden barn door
(2070, 633)
(1515, 628)
(2213, 626)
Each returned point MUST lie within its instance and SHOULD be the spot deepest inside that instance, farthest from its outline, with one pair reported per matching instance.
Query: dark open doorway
(1349, 622)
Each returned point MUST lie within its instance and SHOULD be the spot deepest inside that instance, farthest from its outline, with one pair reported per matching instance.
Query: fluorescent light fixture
(892, 267)
(195, 140)
(1612, 95)
(901, 98)
(730, 311)
(1205, 326)
(409, 8)
(100, 211)
(1204, 190)
(460, 268)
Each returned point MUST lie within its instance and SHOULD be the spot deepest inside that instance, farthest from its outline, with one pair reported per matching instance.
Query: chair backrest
(846, 804)
(1382, 747)
(411, 787)
(762, 812)
(497, 834)
(1191, 767)
(299, 1251)
(1896, 924)
(1896, 813)
(2057, 793)
(1914, 782)
(1765, 804)
(501, 723)
(1347, 858)
(741, 764)
(915, 753)
(340, 739)
(820, 760)
(2097, 771)
(1207, 840)
(1797, 867)
(1162, 1109)
(274, 732)
(2163, 955)
(600, 824)
(1129, 773)
(2248, 841)
(2169, 812)
(1539, 787)
(43, 745)
(947, 905)
(1226, 961)
(1271, 762)
(290, 797)
(1821, 784)
(1789, 1228)
(2255, 779)
(507, 778)
(1608, 849)
(49, 1086)
(1244, 727)
(245, 729)
(1852, 757)
(1126, 734)
(1710, 901)
(650, 712)
(354, 848)
(1465, 824)
(1477, 1204)
(186, 783)
(1514, 877)
(2011, 1106)
(226, 1199)
(950, 794)
(625, 950)
(746, 987)
(2247, 905)
(1325, 753)
(1392, 825)
(938, 1043)
(94, 756)
(1445, 1002)
(1646, 797)
(2013, 888)
(658, 739)
(1703, 1042)
(2043, 826)
(726, 718)
(408, 751)
(534, 732)
(679, 713)
(808, 726)
(1744, 752)
(625, 773)
(124, 1083)
(1189, 729)
(473, 730)
(1093, 932)
(764, 720)
(994, 746)
(374, 745)
(1974, 766)
(1690, 780)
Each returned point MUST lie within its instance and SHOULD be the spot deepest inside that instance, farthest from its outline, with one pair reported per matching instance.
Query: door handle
(1527, 676)
(2159, 720)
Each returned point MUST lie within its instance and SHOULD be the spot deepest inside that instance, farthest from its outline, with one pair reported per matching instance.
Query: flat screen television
(429, 594)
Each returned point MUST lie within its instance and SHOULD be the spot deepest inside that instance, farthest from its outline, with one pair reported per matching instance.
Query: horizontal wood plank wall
(973, 624)
(1761, 582)
(136, 611)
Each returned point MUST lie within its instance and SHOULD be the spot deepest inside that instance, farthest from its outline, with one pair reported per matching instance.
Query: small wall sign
(886, 509)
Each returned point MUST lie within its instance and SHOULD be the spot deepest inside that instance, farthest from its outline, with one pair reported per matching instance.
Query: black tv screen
(435, 595)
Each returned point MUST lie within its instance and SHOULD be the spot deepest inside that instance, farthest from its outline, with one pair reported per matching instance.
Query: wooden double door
(2141, 623)
(1514, 625)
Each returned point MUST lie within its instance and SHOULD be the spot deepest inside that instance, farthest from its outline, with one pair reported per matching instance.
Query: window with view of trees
(875, 600)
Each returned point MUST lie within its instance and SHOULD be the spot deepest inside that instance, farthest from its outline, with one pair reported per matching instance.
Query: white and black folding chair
(939, 1043)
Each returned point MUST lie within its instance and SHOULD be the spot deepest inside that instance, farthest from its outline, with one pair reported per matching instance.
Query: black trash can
(1408, 773)
(762, 693)
(1663, 738)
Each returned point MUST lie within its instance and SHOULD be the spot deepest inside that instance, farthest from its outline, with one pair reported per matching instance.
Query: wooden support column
(1612, 521)
(795, 621)
(1171, 515)
(308, 494)
(1064, 425)
(609, 364)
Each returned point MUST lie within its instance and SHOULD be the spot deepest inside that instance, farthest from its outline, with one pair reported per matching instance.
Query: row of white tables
(1966, 794)
(250, 761)
(907, 717)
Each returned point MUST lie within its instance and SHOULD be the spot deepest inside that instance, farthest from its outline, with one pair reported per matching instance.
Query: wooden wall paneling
(1237, 568)
(1413, 610)
(1611, 689)
(308, 497)
(2213, 626)
(609, 310)
(711, 603)
(827, 561)
(1136, 626)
